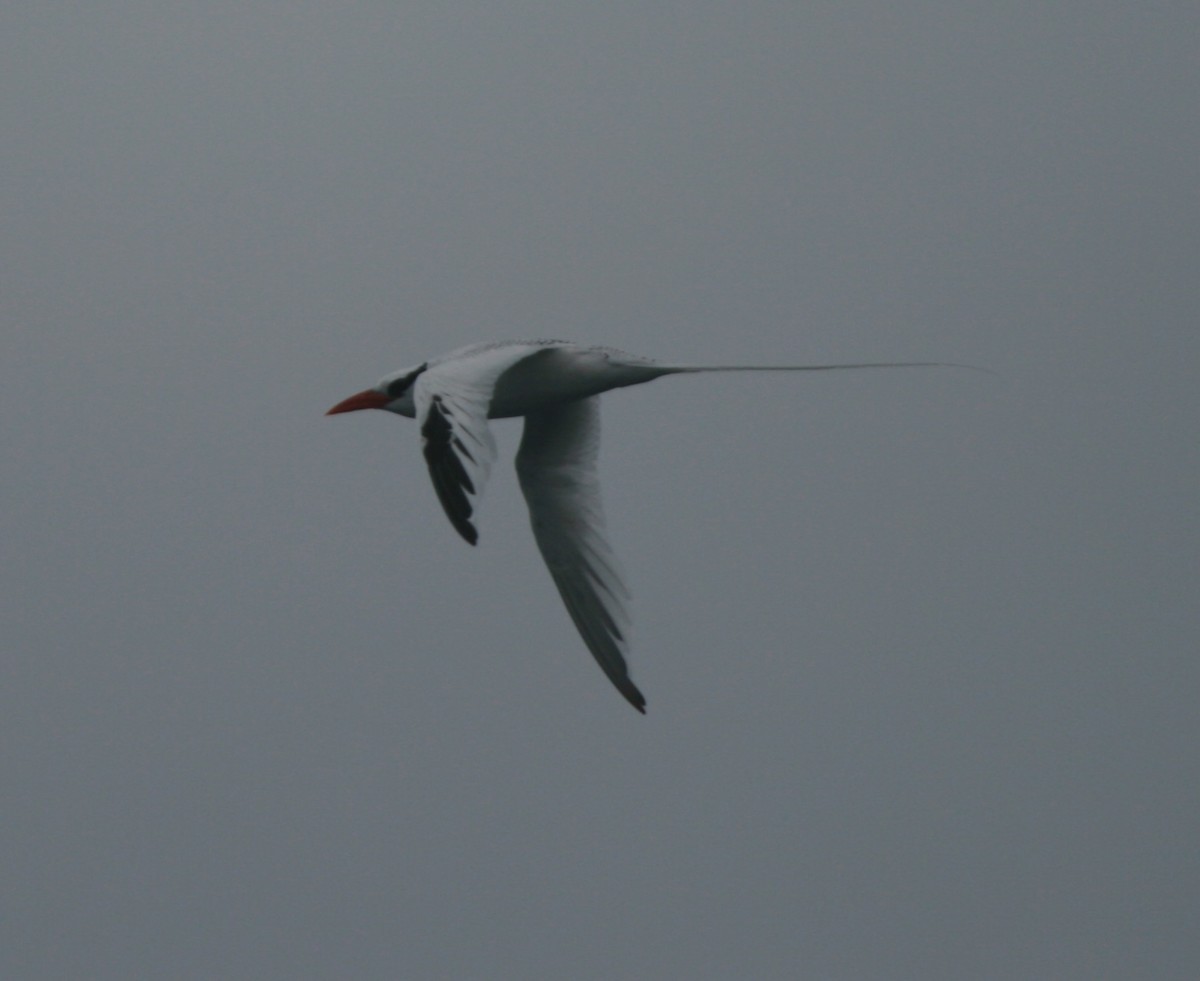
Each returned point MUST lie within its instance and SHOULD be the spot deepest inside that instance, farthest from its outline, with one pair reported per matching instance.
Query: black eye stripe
(401, 385)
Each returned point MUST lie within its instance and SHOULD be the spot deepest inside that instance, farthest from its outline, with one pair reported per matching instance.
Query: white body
(523, 383)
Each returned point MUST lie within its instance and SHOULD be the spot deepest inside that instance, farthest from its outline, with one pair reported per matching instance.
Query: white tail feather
(689, 368)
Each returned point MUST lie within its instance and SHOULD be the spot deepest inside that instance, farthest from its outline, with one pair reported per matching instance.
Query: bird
(555, 386)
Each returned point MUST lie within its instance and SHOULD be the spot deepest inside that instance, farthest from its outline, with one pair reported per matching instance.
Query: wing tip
(633, 696)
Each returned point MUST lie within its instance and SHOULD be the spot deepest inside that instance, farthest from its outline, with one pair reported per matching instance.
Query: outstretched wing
(556, 466)
(452, 399)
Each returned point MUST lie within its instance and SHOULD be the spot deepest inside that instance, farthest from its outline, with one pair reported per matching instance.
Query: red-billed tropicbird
(554, 385)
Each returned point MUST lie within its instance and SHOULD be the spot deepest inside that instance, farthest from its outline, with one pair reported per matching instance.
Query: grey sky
(919, 648)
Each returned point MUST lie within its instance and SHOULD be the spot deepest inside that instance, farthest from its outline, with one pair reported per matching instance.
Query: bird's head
(393, 392)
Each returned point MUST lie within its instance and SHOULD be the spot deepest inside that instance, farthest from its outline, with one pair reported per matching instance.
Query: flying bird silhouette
(554, 385)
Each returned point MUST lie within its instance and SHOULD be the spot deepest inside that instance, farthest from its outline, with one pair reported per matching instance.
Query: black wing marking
(452, 400)
(442, 448)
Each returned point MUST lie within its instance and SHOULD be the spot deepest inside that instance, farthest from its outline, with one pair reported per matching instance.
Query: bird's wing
(452, 399)
(556, 466)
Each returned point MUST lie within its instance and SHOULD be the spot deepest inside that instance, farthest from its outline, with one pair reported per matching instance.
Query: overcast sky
(920, 648)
